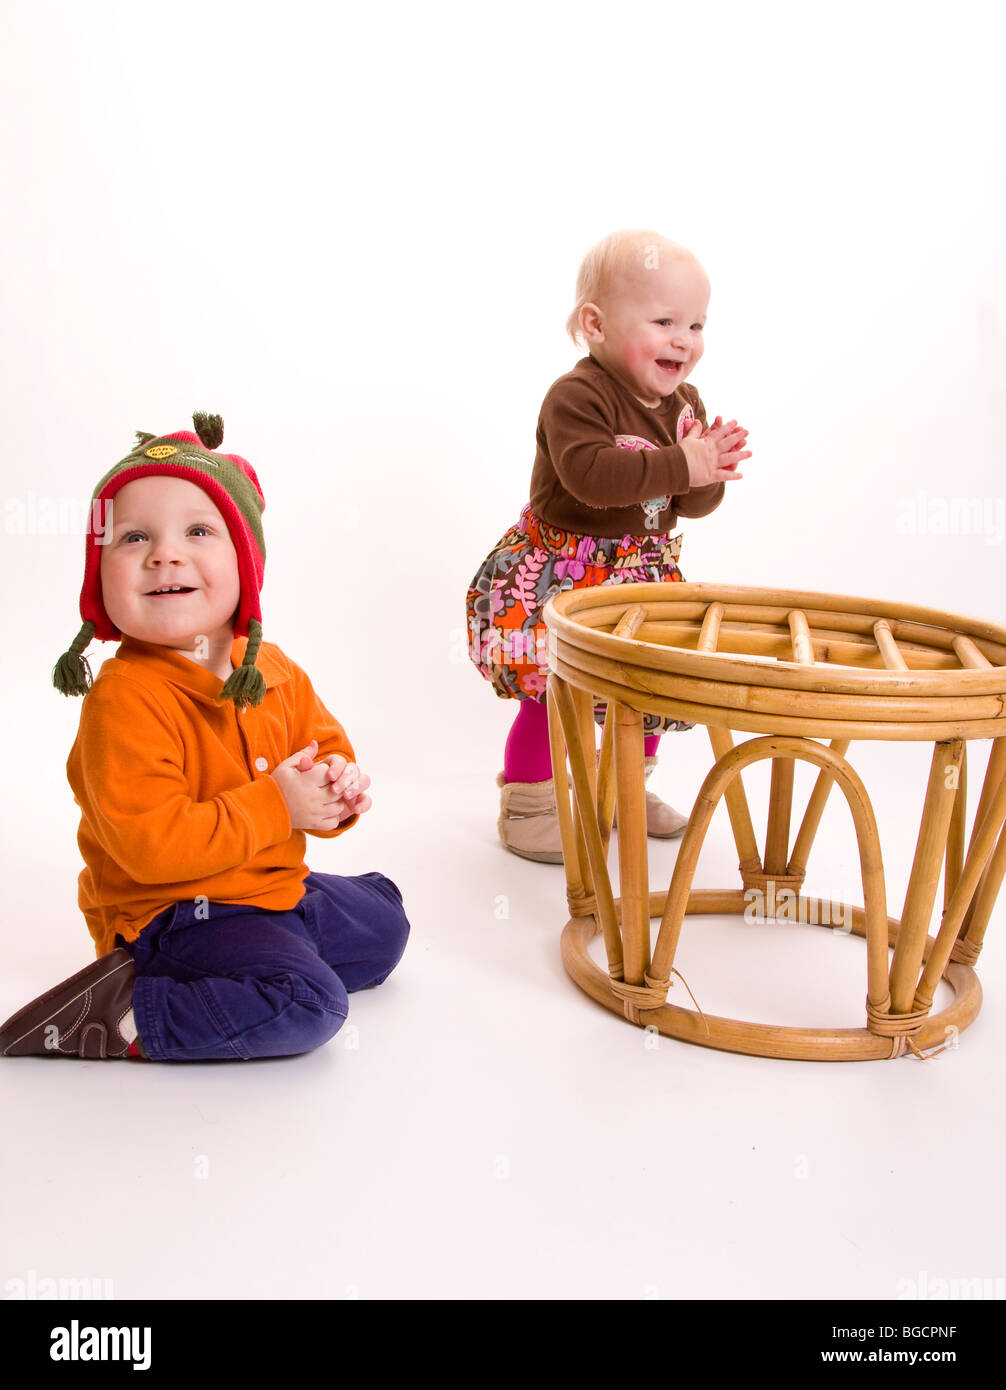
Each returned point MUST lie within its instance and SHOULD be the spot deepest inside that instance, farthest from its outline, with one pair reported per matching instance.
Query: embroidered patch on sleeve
(633, 441)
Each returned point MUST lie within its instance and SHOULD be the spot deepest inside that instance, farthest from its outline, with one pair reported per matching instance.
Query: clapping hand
(349, 784)
(713, 454)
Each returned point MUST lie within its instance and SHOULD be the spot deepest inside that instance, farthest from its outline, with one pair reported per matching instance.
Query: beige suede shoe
(529, 822)
(662, 821)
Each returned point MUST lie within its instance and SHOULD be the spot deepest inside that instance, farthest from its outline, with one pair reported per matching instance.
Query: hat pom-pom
(246, 685)
(210, 429)
(72, 675)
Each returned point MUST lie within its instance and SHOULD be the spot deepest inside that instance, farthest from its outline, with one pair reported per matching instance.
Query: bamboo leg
(716, 784)
(606, 779)
(737, 806)
(929, 851)
(575, 892)
(871, 865)
(955, 841)
(973, 898)
(984, 899)
(974, 876)
(812, 815)
(632, 859)
(995, 772)
(976, 918)
(582, 770)
(780, 805)
(583, 713)
(627, 626)
(681, 881)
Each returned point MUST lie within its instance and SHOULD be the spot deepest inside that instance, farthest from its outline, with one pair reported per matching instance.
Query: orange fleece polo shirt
(175, 791)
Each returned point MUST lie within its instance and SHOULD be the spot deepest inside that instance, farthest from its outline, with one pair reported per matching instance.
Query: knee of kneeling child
(318, 1003)
(397, 935)
(393, 928)
(317, 1022)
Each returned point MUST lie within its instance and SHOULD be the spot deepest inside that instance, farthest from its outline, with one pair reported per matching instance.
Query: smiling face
(647, 328)
(169, 573)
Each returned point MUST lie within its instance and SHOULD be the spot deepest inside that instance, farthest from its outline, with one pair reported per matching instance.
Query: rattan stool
(791, 668)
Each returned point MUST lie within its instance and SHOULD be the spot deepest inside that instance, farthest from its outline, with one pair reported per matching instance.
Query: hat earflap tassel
(246, 685)
(72, 675)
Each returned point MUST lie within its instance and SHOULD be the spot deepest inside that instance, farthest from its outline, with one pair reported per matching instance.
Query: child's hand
(713, 457)
(349, 783)
(731, 432)
(307, 791)
(718, 429)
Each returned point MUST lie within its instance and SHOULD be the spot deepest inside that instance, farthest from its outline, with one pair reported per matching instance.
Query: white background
(354, 232)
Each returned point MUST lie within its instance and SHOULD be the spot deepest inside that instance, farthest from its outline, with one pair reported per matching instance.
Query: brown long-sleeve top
(607, 465)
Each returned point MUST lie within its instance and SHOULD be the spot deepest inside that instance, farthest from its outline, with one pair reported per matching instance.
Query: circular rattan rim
(574, 618)
(802, 1044)
(662, 657)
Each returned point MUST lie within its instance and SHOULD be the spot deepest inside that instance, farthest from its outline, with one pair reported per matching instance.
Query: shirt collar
(166, 664)
(666, 405)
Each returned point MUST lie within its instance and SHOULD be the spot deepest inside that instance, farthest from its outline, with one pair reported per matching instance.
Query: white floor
(481, 1128)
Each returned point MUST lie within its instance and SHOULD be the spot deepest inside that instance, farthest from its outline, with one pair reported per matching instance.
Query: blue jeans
(231, 980)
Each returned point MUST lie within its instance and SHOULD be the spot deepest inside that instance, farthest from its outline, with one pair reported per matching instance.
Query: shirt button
(261, 764)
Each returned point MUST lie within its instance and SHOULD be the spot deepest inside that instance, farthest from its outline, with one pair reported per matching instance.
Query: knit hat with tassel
(231, 483)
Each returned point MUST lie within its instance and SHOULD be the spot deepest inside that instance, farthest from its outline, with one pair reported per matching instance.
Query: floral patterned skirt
(507, 638)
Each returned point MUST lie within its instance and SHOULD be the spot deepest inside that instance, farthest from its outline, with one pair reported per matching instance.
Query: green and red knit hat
(231, 483)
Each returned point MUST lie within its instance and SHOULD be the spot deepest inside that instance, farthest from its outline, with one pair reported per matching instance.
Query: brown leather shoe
(79, 1018)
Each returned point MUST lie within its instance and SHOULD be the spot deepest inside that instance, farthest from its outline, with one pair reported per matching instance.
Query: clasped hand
(321, 795)
(713, 456)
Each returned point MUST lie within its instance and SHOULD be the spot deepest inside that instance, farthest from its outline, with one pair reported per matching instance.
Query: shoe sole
(550, 857)
(540, 856)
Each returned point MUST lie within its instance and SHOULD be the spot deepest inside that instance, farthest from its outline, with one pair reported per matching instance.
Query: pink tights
(526, 757)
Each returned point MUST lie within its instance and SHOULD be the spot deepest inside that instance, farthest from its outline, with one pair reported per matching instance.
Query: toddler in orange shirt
(202, 758)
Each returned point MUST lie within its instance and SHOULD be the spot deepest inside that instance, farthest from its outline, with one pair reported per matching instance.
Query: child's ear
(591, 325)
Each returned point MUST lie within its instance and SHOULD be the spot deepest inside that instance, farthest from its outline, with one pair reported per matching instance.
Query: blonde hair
(609, 259)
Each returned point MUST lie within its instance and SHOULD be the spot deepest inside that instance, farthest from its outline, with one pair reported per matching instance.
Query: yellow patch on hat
(160, 451)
